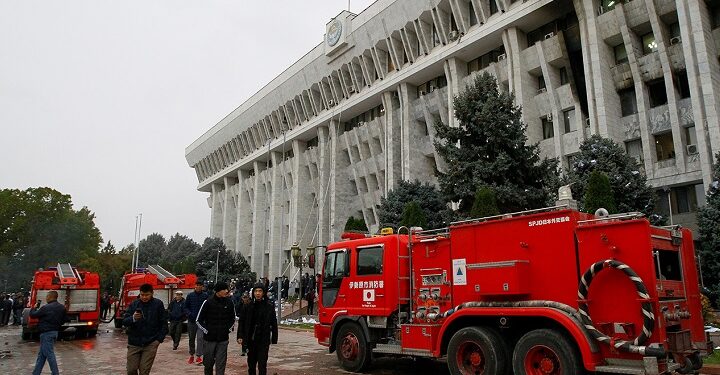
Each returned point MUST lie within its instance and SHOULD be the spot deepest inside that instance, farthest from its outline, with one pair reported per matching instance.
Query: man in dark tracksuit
(52, 317)
(193, 301)
(258, 328)
(216, 318)
(147, 324)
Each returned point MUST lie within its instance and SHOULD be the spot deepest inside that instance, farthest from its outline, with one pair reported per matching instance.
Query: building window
(674, 30)
(681, 83)
(473, 16)
(563, 76)
(485, 60)
(656, 91)
(493, 6)
(547, 128)
(431, 85)
(634, 149)
(608, 5)
(649, 44)
(691, 140)
(541, 84)
(715, 14)
(569, 120)
(620, 54)
(664, 147)
(683, 199)
(628, 102)
(435, 36)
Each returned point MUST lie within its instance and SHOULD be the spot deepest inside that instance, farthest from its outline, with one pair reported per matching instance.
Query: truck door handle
(379, 295)
(341, 295)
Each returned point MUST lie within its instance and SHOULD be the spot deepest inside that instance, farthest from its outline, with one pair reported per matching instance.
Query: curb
(291, 328)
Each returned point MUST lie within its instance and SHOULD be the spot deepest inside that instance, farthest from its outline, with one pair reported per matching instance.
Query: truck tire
(352, 348)
(478, 350)
(546, 352)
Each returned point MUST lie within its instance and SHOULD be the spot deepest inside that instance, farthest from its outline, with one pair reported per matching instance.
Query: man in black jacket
(147, 324)
(216, 318)
(52, 317)
(176, 314)
(257, 328)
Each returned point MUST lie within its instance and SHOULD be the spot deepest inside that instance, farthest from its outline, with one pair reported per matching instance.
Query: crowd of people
(210, 315)
(11, 307)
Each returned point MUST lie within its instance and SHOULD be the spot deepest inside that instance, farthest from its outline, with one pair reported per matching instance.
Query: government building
(338, 129)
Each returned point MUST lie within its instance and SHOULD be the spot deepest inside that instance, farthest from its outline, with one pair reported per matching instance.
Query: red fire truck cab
(163, 282)
(78, 290)
(550, 291)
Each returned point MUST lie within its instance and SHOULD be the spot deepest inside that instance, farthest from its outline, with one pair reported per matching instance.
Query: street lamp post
(217, 265)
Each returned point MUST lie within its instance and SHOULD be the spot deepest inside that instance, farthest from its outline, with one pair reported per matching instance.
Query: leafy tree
(108, 249)
(179, 249)
(484, 204)
(709, 227)
(413, 216)
(429, 199)
(356, 224)
(629, 186)
(128, 249)
(489, 148)
(152, 249)
(598, 193)
(39, 228)
(231, 264)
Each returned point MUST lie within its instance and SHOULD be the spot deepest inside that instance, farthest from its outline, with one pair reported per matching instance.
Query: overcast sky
(98, 98)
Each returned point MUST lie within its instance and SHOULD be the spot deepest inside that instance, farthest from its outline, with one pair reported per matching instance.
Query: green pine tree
(356, 224)
(489, 148)
(627, 183)
(599, 193)
(413, 216)
(428, 198)
(484, 204)
(709, 227)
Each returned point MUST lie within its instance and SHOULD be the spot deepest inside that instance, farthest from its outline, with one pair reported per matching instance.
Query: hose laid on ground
(117, 305)
(637, 345)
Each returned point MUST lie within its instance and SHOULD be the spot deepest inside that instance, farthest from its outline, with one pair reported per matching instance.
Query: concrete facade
(332, 134)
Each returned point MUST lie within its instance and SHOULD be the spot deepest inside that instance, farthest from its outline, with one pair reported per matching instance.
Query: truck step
(397, 349)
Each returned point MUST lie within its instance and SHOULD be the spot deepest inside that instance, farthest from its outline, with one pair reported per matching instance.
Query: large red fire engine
(163, 282)
(551, 291)
(78, 290)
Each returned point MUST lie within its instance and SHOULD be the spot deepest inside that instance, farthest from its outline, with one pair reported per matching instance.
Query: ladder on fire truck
(405, 316)
(67, 274)
(163, 275)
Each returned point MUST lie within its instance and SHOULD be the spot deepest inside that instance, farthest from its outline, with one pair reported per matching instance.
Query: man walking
(52, 317)
(216, 318)
(240, 309)
(258, 328)
(193, 301)
(146, 320)
(176, 314)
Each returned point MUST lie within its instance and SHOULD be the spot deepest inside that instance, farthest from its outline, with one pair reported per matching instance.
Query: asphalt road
(296, 353)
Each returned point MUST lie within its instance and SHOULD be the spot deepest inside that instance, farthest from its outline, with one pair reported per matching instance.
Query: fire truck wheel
(352, 349)
(477, 350)
(546, 352)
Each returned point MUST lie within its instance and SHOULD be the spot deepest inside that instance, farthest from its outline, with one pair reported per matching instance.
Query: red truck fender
(339, 319)
(586, 345)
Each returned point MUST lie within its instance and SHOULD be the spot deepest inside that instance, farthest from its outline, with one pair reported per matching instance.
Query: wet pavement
(297, 353)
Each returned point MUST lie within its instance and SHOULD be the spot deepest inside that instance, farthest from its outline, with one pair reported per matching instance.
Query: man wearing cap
(215, 319)
(176, 315)
(257, 328)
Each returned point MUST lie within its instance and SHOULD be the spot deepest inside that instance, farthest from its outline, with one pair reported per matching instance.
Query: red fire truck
(163, 282)
(78, 290)
(550, 291)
